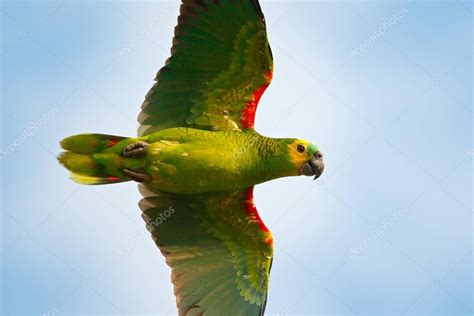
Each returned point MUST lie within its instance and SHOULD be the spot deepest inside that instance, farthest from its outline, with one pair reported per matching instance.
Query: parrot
(197, 158)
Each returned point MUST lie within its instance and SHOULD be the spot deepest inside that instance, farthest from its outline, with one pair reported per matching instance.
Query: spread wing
(219, 250)
(221, 64)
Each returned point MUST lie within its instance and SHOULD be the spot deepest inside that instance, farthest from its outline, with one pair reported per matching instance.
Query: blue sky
(385, 90)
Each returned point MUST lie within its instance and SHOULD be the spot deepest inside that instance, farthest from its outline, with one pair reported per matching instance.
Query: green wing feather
(219, 250)
(221, 64)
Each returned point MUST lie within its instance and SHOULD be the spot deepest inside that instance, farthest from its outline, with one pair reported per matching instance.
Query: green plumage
(220, 57)
(206, 238)
(186, 160)
(198, 158)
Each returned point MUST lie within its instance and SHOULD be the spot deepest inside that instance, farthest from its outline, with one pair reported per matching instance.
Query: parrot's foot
(135, 150)
(138, 176)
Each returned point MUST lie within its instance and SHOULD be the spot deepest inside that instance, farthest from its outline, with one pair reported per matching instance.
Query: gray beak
(314, 166)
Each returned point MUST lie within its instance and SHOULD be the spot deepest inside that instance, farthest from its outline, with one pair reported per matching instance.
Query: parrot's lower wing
(218, 248)
(220, 65)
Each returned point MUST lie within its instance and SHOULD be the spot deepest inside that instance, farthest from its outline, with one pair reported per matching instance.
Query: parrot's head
(306, 157)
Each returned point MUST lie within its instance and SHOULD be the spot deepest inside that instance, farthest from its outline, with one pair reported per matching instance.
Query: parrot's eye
(300, 148)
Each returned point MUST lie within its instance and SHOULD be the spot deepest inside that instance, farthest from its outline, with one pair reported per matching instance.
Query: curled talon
(135, 150)
(136, 175)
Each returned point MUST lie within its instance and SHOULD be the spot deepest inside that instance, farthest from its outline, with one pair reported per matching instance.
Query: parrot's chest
(198, 166)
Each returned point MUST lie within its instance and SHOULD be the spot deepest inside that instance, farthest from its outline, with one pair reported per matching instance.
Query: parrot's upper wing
(218, 248)
(221, 64)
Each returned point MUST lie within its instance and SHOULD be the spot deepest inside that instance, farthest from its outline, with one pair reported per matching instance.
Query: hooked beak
(314, 166)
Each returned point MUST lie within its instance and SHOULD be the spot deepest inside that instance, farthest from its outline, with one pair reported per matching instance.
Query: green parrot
(197, 158)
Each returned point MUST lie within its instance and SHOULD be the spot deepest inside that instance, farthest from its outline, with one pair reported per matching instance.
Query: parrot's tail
(88, 163)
